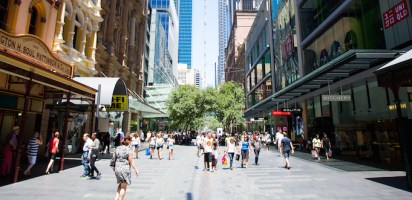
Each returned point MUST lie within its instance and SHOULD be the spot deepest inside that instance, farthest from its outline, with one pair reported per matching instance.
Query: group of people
(157, 141)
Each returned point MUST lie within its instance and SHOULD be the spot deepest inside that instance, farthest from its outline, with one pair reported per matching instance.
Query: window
(3, 14)
(33, 21)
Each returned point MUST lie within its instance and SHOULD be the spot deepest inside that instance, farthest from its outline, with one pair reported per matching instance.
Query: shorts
(52, 156)
(286, 154)
(159, 147)
(170, 147)
(152, 146)
(32, 160)
(135, 146)
(208, 157)
(245, 154)
(327, 149)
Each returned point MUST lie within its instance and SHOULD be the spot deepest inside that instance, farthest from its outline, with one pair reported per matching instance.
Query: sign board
(119, 103)
(336, 98)
(31, 48)
(291, 109)
(395, 14)
(280, 113)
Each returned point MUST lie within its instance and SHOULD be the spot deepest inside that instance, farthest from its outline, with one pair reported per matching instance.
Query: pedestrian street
(184, 179)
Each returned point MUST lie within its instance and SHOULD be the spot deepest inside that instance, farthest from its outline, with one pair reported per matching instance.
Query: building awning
(109, 87)
(143, 107)
(346, 65)
(396, 73)
(27, 70)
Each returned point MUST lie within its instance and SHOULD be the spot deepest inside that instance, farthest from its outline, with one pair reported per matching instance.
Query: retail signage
(282, 128)
(336, 98)
(291, 110)
(32, 49)
(119, 103)
(395, 14)
(280, 113)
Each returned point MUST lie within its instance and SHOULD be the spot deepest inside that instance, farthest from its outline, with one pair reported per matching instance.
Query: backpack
(117, 140)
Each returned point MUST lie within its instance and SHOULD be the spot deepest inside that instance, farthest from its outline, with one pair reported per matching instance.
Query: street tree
(230, 104)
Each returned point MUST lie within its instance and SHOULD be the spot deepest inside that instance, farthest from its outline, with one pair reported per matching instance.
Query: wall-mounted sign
(119, 103)
(395, 14)
(31, 48)
(336, 98)
(280, 113)
(291, 109)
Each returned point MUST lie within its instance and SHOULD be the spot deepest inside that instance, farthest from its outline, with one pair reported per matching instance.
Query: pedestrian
(170, 144)
(245, 150)
(88, 143)
(8, 151)
(257, 144)
(230, 150)
(287, 147)
(267, 140)
(199, 141)
(124, 161)
(119, 136)
(106, 142)
(159, 145)
(326, 145)
(32, 150)
(53, 148)
(316, 145)
(279, 136)
(216, 151)
(141, 136)
(152, 144)
(93, 154)
(136, 144)
(208, 149)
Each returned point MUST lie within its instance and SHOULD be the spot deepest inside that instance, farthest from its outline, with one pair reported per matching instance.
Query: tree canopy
(192, 108)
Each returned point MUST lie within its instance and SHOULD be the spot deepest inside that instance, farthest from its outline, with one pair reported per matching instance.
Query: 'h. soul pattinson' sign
(28, 46)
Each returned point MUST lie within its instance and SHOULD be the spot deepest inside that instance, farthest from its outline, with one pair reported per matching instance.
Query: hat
(16, 128)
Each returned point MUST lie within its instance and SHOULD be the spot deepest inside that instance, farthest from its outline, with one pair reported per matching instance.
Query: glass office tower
(185, 32)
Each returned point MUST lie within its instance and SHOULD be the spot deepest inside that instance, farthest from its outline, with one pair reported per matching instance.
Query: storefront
(31, 77)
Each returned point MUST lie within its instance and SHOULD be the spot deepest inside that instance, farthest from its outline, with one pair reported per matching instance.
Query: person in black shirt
(326, 145)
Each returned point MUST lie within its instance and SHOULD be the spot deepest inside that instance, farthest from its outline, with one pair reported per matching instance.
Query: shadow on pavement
(398, 182)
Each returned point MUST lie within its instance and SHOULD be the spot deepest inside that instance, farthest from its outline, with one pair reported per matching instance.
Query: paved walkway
(184, 178)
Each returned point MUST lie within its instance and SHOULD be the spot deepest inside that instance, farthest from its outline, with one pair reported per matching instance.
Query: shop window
(4, 5)
(33, 20)
(259, 70)
(267, 63)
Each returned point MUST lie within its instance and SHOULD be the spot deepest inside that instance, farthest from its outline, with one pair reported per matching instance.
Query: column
(123, 43)
(110, 28)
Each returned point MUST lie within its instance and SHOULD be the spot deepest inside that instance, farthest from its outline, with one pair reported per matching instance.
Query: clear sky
(212, 39)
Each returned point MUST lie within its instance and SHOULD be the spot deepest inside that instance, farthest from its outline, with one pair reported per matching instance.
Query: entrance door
(7, 123)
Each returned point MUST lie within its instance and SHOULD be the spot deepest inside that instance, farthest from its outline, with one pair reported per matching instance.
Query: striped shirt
(33, 147)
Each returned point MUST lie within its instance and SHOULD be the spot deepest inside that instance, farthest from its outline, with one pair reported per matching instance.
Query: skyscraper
(222, 40)
(185, 32)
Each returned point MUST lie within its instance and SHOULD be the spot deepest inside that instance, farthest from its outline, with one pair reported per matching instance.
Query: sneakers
(82, 176)
(98, 176)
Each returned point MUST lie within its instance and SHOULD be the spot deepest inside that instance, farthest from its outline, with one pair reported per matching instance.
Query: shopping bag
(330, 153)
(223, 159)
(314, 153)
(147, 152)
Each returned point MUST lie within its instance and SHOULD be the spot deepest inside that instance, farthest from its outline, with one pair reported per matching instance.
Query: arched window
(33, 20)
(78, 31)
(4, 6)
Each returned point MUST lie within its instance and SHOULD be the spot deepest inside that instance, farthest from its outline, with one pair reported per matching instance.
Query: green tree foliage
(191, 107)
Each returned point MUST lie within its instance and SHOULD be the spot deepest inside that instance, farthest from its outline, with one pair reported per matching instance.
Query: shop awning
(397, 73)
(339, 69)
(109, 87)
(25, 69)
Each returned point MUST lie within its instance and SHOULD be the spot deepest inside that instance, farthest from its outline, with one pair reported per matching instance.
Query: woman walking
(216, 151)
(257, 144)
(245, 149)
(32, 149)
(136, 144)
(230, 150)
(152, 143)
(268, 140)
(53, 147)
(159, 145)
(124, 160)
(170, 144)
(317, 144)
(326, 145)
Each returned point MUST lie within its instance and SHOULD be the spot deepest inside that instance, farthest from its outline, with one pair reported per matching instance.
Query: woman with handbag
(230, 150)
(123, 161)
(245, 149)
(159, 145)
(170, 144)
(317, 144)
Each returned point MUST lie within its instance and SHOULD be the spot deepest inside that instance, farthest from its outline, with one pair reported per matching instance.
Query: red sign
(395, 14)
(280, 113)
(282, 128)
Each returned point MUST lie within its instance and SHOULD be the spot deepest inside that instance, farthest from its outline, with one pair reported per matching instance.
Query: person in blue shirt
(245, 149)
(287, 147)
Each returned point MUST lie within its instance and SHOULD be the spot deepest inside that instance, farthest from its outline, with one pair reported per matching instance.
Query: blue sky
(212, 39)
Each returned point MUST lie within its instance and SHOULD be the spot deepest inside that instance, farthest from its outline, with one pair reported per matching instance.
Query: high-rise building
(185, 9)
(198, 79)
(185, 76)
(222, 40)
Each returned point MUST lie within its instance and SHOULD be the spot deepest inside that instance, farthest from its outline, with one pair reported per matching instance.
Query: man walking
(93, 152)
(287, 147)
(86, 148)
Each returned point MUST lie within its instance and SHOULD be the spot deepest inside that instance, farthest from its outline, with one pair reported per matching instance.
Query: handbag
(330, 153)
(237, 157)
(314, 153)
(147, 152)
(113, 161)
